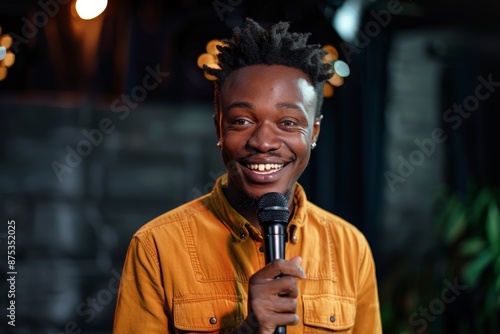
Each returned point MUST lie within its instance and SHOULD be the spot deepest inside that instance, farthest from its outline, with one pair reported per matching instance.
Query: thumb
(298, 261)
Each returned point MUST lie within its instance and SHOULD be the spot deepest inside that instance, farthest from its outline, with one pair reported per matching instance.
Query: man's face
(266, 125)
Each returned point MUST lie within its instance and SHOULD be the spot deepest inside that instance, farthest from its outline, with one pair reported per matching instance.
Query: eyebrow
(243, 105)
(247, 105)
(284, 105)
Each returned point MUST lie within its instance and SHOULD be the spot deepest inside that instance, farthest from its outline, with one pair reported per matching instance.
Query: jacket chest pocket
(323, 313)
(211, 314)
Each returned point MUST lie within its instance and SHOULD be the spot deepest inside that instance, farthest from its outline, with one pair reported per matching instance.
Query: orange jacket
(188, 271)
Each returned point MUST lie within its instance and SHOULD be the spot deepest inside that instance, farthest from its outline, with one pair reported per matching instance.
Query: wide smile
(263, 172)
(265, 168)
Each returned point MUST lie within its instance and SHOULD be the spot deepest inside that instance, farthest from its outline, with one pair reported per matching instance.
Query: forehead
(263, 84)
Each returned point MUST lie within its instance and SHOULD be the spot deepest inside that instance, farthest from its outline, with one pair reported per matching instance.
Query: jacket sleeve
(368, 310)
(141, 299)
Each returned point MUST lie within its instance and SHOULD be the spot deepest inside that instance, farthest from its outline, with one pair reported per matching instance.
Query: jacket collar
(239, 227)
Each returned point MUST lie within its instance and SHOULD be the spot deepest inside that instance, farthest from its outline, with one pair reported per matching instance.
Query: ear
(316, 128)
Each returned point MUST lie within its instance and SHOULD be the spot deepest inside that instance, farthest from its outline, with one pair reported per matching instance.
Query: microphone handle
(274, 242)
(280, 330)
(274, 245)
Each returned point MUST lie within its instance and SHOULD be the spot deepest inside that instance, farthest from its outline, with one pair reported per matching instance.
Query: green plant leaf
(490, 301)
(387, 313)
(479, 205)
(497, 266)
(456, 225)
(472, 246)
(497, 286)
(493, 226)
(475, 267)
(448, 205)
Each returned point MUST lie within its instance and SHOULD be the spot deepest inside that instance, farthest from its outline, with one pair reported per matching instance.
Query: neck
(247, 205)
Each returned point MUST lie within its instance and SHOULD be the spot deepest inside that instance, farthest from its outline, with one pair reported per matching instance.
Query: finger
(284, 305)
(274, 304)
(285, 286)
(297, 260)
(278, 268)
(281, 319)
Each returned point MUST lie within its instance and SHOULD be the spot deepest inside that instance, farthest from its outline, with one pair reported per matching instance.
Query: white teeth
(265, 167)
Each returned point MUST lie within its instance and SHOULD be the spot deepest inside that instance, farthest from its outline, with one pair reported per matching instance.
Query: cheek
(232, 147)
(301, 148)
(233, 141)
(300, 143)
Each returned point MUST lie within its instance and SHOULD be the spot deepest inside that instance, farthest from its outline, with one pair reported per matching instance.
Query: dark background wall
(83, 166)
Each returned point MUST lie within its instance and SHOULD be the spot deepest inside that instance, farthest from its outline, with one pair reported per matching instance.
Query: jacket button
(295, 239)
(332, 319)
(213, 320)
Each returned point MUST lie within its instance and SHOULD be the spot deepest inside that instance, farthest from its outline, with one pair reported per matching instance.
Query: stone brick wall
(74, 222)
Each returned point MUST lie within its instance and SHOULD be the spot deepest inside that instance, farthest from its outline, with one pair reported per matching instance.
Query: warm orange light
(210, 57)
(327, 90)
(205, 58)
(6, 41)
(212, 46)
(89, 9)
(336, 80)
(9, 59)
(214, 65)
(209, 76)
(332, 55)
(3, 73)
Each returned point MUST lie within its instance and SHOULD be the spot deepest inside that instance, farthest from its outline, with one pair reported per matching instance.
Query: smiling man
(201, 266)
(266, 126)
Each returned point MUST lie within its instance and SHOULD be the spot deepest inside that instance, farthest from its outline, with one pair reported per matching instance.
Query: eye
(241, 121)
(288, 123)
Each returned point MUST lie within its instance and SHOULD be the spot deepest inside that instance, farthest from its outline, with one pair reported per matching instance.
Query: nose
(264, 138)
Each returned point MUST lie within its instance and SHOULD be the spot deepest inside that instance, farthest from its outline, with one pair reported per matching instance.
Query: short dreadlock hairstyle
(253, 45)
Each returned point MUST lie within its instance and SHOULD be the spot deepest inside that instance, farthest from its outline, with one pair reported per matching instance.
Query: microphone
(273, 217)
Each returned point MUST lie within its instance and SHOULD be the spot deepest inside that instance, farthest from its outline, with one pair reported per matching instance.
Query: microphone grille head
(273, 207)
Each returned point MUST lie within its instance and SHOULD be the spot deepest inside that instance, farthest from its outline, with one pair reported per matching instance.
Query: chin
(257, 193)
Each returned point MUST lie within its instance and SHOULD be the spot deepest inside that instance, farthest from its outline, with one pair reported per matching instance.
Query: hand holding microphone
(273, 289)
